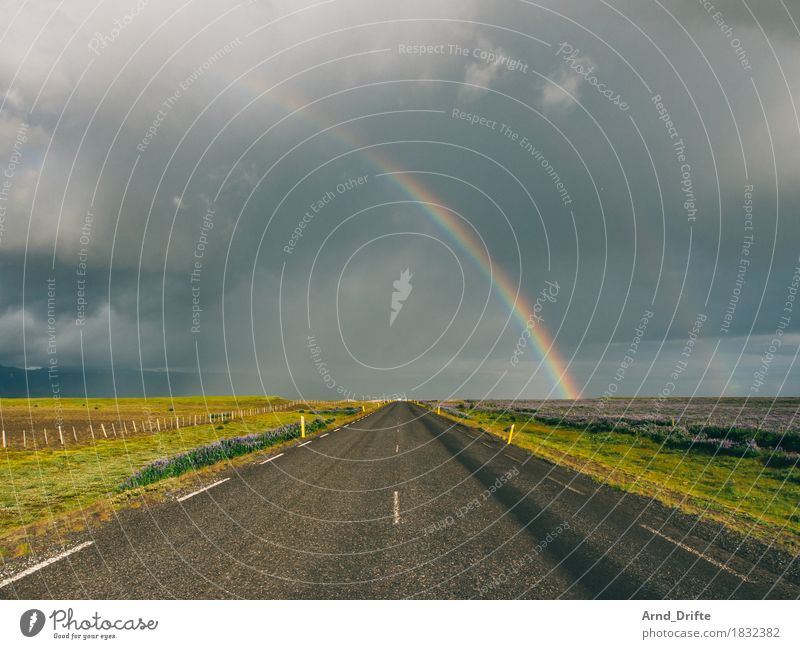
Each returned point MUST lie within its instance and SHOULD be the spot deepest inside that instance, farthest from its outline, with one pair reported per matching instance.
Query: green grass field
(60, 488)
(26, 420)
(740, 492)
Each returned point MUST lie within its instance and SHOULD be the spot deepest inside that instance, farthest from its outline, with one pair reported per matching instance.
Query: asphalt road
(404, 503)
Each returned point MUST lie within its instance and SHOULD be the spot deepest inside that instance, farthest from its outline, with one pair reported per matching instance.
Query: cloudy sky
(233, 190)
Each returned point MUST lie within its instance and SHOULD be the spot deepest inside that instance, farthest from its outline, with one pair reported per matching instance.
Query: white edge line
(323, 434)
(269, 459)
(565, 485)
(44, 564)
(304, 443)
(697, 553)
(199, 491)
(396, 508)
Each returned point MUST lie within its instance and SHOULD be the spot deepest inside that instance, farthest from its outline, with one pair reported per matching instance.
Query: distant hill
(99, 383)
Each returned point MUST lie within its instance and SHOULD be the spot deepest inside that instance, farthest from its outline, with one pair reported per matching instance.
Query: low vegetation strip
(453, 412)
(218, 451)
(347, 410)
(771, 447)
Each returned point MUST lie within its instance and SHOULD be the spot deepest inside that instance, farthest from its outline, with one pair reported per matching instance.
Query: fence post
(61, 435)
(91, 431)
(74, 434)
(103, 426)
(4, 439)
(45, 437)
(24, 439)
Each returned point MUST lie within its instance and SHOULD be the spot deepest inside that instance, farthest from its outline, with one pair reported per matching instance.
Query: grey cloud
(174, 156)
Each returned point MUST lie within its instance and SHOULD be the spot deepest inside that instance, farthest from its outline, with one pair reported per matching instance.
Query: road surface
(406, 504)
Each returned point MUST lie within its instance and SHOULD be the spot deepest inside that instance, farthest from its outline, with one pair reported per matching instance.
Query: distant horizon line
(392, 398)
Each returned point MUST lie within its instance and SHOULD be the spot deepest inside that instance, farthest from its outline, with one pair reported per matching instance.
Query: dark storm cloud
(208, 147)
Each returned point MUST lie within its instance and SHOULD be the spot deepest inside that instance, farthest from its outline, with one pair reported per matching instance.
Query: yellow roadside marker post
(510, 433)
(302, 426)
(363, 408)
(438, 410)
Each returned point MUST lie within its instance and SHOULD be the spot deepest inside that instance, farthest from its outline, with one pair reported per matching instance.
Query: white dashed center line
(199, 491)
(44, 564)
(396, 508)
(697, 553)
(565, 485)
(269, 459)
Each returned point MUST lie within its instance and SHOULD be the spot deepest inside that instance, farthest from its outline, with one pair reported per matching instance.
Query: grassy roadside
(740, 492)
(53, 491)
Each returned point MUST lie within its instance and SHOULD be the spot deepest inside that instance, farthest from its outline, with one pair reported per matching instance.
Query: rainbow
(459, 232)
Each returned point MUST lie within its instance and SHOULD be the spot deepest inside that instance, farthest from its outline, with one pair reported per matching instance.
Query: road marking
(511, 457)
(199, 491)
(269, 459)
(697, 553)
(323, 434)
(44, 564)
(304, 443)
(396, 508)
(397, 447)
(565, 485)
(485, 444)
